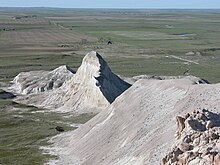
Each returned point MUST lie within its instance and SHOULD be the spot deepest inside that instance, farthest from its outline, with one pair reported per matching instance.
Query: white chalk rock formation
(138, 127)
(198, 140)
(39, 81)
(92, 88)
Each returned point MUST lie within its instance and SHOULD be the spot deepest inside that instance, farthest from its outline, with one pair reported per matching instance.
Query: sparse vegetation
(26, 128)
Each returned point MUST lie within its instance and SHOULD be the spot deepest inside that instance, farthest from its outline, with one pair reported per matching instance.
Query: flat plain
(152, 42)
(175, 41)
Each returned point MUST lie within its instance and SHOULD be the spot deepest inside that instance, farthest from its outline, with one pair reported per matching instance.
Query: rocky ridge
(92, 88)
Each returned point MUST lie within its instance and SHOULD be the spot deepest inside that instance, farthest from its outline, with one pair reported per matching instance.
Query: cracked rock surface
(197, 140)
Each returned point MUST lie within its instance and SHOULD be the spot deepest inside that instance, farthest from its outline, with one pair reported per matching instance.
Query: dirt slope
(139, 127)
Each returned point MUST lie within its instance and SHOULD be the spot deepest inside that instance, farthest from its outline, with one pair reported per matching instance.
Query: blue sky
(185, 4)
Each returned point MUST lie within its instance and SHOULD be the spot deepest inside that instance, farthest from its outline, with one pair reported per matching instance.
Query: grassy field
(144, 41)
(155, 42)
(152, 37)
(24, 129)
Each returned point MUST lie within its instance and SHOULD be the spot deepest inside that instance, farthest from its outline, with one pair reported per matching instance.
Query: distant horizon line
(112, 8)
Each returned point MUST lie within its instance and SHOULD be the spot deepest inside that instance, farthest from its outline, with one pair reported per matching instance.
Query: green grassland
(153, 42)
(141, 40)
(25, 128)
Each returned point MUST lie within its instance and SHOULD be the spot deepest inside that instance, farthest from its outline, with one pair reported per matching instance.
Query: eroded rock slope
(138, 127)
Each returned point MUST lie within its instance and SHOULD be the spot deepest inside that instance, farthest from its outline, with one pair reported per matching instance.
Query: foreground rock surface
(138, 127)
(198, 140)
(91, 88)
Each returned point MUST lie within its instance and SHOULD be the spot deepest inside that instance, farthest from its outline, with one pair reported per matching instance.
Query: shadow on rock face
(212, 117)
(6, 95)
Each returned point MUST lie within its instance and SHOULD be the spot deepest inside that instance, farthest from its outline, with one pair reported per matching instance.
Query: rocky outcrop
(92, 88)
(95, 73)
(40, 81)
(197, 141)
